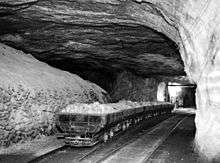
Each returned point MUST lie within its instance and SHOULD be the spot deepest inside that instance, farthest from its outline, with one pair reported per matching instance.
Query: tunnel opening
(182, 95)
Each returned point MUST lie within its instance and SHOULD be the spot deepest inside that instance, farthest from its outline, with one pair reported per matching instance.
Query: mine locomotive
(88, 128)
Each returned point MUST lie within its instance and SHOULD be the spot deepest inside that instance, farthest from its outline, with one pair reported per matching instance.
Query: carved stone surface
(92, 35)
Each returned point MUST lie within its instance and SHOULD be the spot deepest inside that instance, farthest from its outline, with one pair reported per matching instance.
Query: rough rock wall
(197, 23)
(131, 87)
(102, 78)
(31, 92)
(94, 35)
(200, 33)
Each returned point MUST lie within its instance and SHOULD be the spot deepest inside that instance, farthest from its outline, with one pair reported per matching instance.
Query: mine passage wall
(135, 88)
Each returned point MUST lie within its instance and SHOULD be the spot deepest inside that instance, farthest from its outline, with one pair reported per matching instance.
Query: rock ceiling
(94, 35)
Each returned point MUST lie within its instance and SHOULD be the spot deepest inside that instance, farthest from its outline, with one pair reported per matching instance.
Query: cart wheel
(105, 137)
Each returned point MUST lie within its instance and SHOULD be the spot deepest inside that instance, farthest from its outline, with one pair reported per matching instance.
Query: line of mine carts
(88, 124)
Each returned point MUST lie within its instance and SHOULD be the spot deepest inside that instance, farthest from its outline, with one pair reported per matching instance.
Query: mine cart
(89, 129)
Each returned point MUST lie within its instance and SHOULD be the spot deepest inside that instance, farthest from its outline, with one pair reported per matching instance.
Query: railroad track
(100, 145)
(107, 155)
(111, 155)
(118, 142)
(146, 159)
(113, 149)
(86, 155)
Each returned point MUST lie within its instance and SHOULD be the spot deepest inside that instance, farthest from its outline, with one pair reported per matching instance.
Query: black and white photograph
(109, 81)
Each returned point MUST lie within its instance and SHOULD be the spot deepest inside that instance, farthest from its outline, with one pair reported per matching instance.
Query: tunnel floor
(178, 147)
(167, 139)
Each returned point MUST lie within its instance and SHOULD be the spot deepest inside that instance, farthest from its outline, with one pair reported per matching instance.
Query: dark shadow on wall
(129, 86)
(100, 76)
(188, 95)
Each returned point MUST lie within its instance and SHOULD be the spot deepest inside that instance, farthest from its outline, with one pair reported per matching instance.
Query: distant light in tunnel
(174, 91)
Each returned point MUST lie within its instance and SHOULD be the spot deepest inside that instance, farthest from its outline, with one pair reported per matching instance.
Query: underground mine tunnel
(112, 54)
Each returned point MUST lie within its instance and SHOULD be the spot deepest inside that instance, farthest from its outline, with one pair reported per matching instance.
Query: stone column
(200, 33)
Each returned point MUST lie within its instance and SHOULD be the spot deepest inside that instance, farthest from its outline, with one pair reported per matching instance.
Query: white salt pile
(89, 108)
(97, 108)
